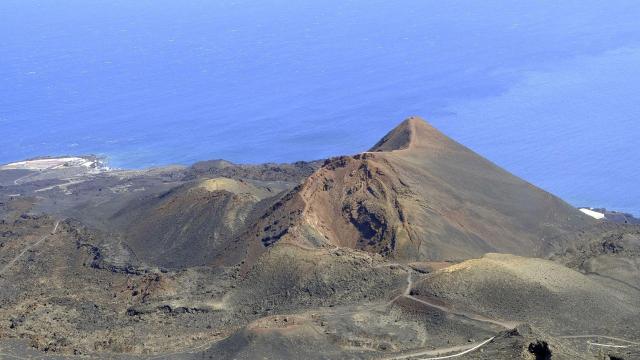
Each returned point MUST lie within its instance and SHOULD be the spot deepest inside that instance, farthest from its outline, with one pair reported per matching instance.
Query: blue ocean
(550, 90)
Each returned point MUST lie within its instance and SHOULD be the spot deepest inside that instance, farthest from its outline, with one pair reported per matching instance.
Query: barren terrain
(416, 249)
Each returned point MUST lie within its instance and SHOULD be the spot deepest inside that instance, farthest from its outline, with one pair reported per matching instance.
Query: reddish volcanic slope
(417, 195)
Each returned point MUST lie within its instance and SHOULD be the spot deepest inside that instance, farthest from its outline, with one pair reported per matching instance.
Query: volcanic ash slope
(418, 195)
(535, 291)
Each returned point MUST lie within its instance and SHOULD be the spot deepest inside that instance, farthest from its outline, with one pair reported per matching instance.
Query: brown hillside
(418, 195)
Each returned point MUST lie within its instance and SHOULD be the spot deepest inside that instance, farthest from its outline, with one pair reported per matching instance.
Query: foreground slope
(418, 195)
(536, 291)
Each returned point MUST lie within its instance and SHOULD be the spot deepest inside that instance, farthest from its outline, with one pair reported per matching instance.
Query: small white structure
(593, 214)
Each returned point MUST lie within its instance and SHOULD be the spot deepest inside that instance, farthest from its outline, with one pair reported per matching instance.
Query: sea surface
(550, 90)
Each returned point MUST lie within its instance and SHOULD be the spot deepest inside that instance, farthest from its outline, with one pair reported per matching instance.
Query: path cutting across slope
(466, 349)
(62, 186)
(407, 294)
(24, 251)
(471, 347)
(17, 181)
(505, 324)
(608, 345)
(593, 336)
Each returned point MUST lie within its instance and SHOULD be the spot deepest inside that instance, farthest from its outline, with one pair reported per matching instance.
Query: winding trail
(24, 251)
(593, 273)
(608, 345)
(17, 181)
(592, 336)
(407, 294)
(63, 186)
(466, 349)
(505, 324)
(472, 347)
